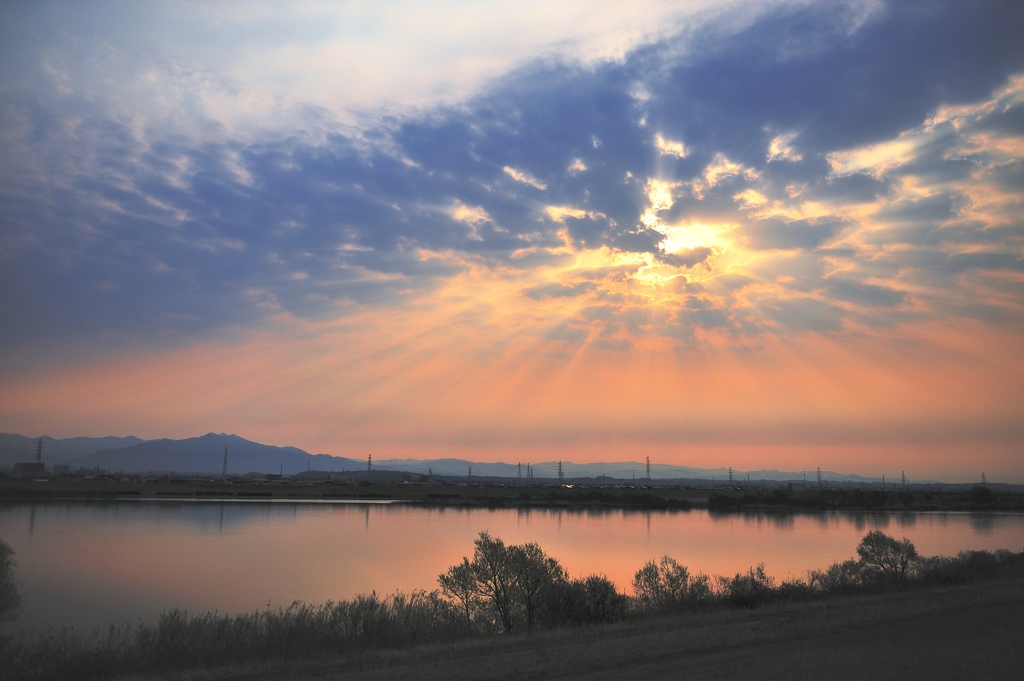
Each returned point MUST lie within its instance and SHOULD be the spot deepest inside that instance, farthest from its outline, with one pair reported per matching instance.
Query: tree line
(510, 588)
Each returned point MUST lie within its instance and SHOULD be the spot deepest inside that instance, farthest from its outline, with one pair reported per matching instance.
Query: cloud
(687, 257)
(773, 233)
(781, 149)
(525, 178)
(837, 163)
(864, 294)
(559, 290)
(669, 147)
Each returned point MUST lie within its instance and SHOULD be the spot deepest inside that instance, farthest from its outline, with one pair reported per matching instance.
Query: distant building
(27, 469)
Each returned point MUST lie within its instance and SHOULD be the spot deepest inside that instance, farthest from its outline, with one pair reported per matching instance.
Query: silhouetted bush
(796, 590)
(593, 600)
(667, 586)
(750, 590)
(838, 578)
(10, 595)
(969, 566)
(603, 603)
(661, 586)
(179, 640)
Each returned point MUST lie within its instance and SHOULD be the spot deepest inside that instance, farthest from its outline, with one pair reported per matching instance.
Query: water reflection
(86, 563)
(983, 523)
(906, 519)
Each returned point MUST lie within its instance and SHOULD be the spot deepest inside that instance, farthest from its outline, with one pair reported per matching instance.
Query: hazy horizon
(541, 469)
(766, 234)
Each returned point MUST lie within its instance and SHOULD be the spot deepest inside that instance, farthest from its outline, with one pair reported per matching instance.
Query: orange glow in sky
(630, 244)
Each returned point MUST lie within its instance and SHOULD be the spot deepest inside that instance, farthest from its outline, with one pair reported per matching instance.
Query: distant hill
(206, 455)
(18, 448)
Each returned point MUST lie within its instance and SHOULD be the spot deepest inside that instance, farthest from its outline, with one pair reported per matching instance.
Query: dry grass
(790, 640)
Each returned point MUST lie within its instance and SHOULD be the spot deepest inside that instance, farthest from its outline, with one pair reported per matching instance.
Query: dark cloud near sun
(776, 233)
(114, 232)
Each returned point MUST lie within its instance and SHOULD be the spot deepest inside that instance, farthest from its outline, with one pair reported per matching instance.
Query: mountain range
(205, 454)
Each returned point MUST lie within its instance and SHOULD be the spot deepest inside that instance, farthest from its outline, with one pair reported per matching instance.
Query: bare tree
(495, 576)
(514, 581)
(886, 557)
(459, 584)
(535, 572)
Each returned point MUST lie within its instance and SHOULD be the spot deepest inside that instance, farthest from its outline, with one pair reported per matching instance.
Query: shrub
(700, 595)
(796, 590)
(593, 600)
(968, 566)
(179, 640)
(750, 590)
(662, 586)
(10, 596)
(837, 578)
(603, 601)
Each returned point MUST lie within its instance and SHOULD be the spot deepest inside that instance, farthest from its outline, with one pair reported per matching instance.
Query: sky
(759, 234)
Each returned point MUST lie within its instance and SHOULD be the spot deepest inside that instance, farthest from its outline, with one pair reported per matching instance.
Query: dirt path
(983, 642)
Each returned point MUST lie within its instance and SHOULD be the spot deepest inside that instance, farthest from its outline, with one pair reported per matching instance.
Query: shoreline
(539, 496)
(979, 621)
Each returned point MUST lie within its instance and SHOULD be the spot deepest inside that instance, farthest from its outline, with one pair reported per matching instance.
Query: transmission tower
(819, 477)
(39, 451)
(519, 471)
(983, 481)
(224, 470)
(648, 468)
(903, 478)
(730, 475)
(560, 474)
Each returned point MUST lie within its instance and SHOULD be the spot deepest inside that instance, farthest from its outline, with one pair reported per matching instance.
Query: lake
(84, 564)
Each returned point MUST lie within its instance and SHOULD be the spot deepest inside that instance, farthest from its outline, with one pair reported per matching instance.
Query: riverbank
(550, 623)
(520, 495)
(968, 631)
